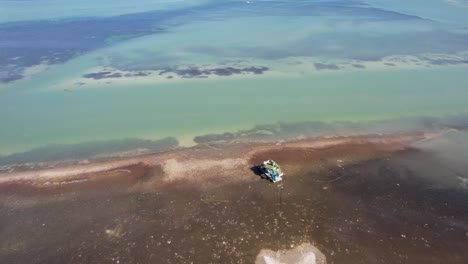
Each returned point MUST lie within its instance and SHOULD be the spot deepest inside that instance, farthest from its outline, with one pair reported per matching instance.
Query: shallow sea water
(188, 109)
(39, 109)
(51, 107)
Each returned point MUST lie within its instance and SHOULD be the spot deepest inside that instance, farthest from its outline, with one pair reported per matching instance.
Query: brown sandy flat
(232, 160)
(349, 199)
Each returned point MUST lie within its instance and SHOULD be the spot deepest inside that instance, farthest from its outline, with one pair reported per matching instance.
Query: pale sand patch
(191, 169)
(30, 71)
(198, 161)
(74, 170)
(302, 254)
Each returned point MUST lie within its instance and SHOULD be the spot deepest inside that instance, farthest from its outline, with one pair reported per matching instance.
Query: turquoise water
(56, 9)
(185, 110)
(156, 35)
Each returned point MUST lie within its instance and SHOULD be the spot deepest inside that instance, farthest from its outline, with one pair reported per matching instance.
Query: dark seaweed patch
(204, 73)
(102, 75)
(323, 66)
(88, 149)
(359, 66)
(222, 72)
(256, 70)
(318, 129)
(115, 75)
(10, 72)
(141, 74)
(192, 72)
(26, 44)
(10, 77)
(390, 64)
(445, 61)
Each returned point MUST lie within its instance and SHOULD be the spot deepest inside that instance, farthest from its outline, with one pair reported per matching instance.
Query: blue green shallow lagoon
(324, 61)
(187, 109)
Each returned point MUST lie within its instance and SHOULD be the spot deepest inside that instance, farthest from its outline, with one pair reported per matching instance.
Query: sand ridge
(231, 160)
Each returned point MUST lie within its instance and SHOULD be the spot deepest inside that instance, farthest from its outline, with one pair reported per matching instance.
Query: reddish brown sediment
(219, 161)
(348, 198)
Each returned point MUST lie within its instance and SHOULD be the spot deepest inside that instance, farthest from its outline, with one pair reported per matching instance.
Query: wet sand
(353, 199)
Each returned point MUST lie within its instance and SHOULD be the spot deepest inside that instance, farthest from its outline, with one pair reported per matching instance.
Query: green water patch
(290, 130)
(87, 149)
(270, 132)
(190, 108)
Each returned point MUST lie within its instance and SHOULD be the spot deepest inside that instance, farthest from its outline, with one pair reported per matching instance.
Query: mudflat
(342, 200)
